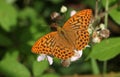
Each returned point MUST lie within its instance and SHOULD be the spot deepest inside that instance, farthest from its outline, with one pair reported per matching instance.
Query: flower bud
(55, 15)
(63, 9)
(105, 33)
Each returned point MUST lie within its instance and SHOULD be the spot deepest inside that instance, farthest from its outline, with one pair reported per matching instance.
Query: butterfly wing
(44, 44)
(52, 44)
(76, 28)
(82, 39)
(80, 20)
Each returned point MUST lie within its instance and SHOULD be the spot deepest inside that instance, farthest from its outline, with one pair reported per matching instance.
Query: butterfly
(72, 36)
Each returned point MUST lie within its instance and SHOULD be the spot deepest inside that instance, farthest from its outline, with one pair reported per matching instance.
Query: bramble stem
(104, 68)
(96, 9)
(106, 14)
(95, 68)
(106, 24)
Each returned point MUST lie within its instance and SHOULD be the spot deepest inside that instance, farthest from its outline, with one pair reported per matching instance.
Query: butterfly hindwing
(52, 44)
(82, 39)
(77, 28)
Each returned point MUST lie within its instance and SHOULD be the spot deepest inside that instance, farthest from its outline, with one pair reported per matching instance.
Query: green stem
(106, 23)
(104, 68)
(96, 9)
(95, 68)
(106, 14)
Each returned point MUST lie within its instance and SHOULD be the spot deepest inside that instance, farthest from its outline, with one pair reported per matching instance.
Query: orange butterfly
(69, 39)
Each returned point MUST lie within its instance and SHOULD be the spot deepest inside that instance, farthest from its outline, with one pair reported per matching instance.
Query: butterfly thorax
(63, 34)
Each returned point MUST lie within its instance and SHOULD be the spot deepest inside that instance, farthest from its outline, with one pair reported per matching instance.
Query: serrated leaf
(106, 50)
(10, 67)
(4, 41)
(8, 15)
(39, 68)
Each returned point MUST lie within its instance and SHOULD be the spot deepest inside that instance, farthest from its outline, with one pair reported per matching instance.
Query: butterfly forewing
(81, 19)
(44, 44)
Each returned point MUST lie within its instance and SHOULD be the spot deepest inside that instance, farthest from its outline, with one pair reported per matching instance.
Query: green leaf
(91, 3)
(106, 50)
(10, 67)
(8, 15)
(38, 5)
(10, 1)
(114, 13)
(56, 1)
(111, 2)
(50, 75)
(39, 68)
(28, 13)
(4, 41)
(40, 29)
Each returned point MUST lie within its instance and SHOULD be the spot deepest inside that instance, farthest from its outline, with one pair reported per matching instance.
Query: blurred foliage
(22, 22)
(114, 12)
(12, 68)
(108, 49)
(8, 15)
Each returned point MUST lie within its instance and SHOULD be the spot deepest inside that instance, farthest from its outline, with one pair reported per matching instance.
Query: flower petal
(72, 13)
(87, 46)
(77, 55)
(41, 57)
(50, 60)
(80, 53)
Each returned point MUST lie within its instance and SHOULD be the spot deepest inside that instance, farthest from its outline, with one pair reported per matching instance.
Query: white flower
(90, 30)
(77, 55)
(96, 39)
(102, 26)
(66, 63)
(43, 57)
(63, 9)
(72, 13)
(50, 60)
(87, 46)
